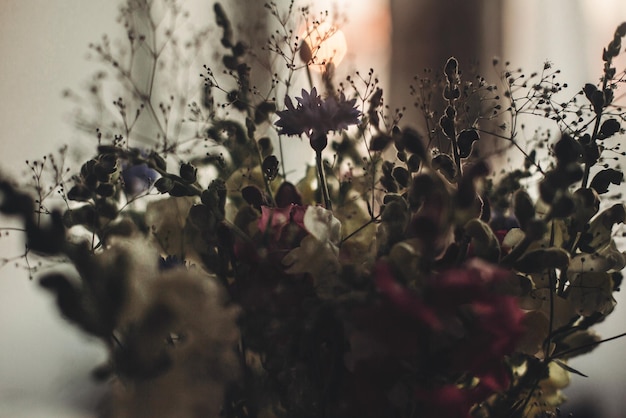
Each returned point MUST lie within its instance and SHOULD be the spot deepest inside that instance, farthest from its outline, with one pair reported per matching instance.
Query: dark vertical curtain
(425, 33)
(253, 25)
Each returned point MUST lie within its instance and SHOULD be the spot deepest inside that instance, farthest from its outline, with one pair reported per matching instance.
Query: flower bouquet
(403, 274)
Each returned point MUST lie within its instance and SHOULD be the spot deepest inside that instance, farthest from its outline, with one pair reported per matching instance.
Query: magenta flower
(497, 320)
(284, 226)
(456, 323)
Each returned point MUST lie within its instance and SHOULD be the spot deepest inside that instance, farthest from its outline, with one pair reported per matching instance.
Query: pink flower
(283, 227)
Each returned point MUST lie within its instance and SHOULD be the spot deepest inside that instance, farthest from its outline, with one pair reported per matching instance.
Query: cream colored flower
(177, 351)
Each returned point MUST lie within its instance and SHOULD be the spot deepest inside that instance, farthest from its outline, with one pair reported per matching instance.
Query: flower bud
(188, 173)
(164, 184)
(451, 70)
(318, 141)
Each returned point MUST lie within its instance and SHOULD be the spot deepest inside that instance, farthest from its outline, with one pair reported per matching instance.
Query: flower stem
(359, 229)
(322, 177)
(567, 352)
(594, 135)
(309, 77)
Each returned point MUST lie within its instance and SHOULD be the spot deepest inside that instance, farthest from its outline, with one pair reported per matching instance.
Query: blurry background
(45, 363)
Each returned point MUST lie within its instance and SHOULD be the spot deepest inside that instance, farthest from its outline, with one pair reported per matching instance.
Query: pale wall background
(44, 363)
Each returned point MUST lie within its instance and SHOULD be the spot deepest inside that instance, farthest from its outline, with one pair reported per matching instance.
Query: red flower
(461, 325)
(402, 298)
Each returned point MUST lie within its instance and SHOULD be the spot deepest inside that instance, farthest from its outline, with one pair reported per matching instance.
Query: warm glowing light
(327, 45)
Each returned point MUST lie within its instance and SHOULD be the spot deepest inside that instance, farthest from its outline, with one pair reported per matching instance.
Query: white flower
(185, 331)
(318, 252)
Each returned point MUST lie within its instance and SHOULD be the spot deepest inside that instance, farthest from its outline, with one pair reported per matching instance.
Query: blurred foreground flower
(177, 355)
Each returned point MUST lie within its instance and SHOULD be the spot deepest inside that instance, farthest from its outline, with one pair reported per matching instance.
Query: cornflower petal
(315, 116)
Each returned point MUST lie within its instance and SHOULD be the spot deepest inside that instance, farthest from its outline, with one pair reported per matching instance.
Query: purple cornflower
(138, 178)
(315, 116)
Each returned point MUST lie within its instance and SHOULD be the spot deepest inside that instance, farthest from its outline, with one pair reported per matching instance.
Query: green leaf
(567, 150)
(445, 164)
(188, 173)
(451, 69)
(79, 193)
(413, 163)
(263, 110)
(609, 128)
(604, 178)
(270, 167)
(523, 208)
(379, 142)
(164, 184)
(589, 90)
(484, 241)
(599, 233)
(447, 126)
(413, 142)
(537, 261)
(401, 175)
(465, 141)
(253, 196)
